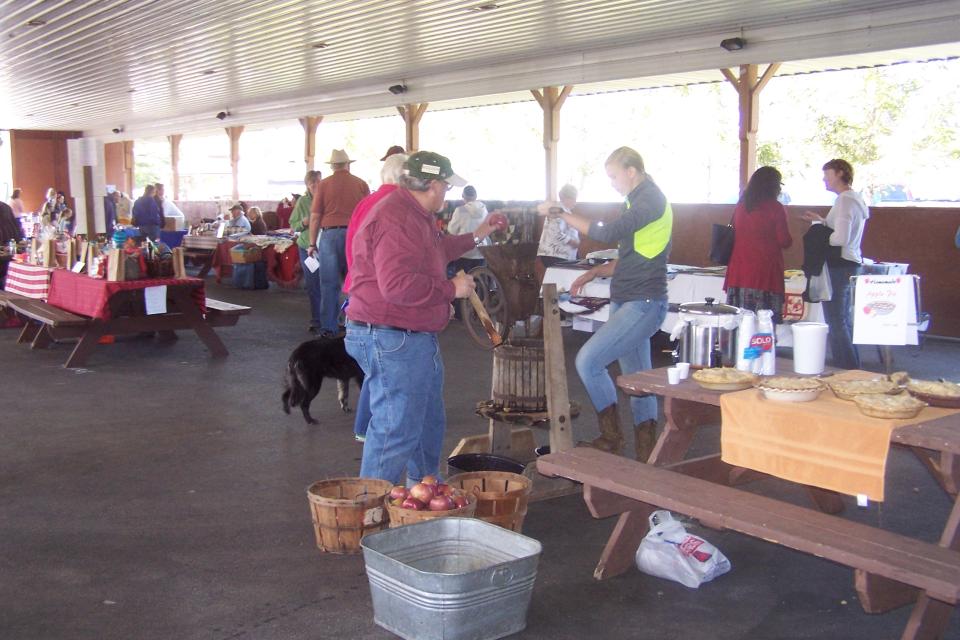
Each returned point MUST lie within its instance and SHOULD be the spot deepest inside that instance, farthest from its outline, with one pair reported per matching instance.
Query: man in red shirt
(399, 301)
(336, 198)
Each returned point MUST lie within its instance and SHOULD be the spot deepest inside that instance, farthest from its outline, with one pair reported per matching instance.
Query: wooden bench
(40, 315)
(632, 490)
(224, 314)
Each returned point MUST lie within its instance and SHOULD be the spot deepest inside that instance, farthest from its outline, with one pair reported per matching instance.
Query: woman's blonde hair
(626, 157)
(255, 212)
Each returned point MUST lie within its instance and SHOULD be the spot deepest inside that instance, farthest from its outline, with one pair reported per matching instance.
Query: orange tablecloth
(826, 443)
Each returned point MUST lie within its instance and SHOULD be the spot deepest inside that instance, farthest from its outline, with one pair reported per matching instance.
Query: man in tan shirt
(333, 204)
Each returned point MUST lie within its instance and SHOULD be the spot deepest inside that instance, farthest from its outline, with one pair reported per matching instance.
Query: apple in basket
(460, 500)
(422, 492)
(412, 503)
(444, 490)
(441, 503)
(399, 493)
(431, 480)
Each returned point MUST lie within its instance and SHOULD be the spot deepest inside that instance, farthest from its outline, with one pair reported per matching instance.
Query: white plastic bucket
(809, 347)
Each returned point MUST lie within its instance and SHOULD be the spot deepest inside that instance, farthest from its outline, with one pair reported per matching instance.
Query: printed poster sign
(885, 310)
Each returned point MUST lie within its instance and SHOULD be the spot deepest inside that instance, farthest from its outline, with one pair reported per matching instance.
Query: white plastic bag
(670, 552)
(819, 288)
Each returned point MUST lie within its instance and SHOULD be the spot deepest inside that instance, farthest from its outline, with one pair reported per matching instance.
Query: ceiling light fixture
(319, 45)
(131, 90)
(36, 22)
(733, 44)
(489, 6)
(209, 72)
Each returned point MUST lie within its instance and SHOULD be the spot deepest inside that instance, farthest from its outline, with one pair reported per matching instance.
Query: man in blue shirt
(238, 222)
(147, 215)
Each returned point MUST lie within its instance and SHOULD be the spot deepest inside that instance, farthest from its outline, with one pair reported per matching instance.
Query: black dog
(309, 364)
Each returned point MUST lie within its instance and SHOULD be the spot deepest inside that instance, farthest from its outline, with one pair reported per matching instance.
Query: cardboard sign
(78, 267)
(885, 310)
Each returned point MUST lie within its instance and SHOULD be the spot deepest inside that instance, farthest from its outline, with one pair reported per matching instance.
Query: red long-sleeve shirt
(400, 266)
(760, 236)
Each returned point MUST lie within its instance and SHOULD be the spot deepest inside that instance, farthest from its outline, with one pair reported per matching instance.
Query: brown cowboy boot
(611, 437)
(645, 436)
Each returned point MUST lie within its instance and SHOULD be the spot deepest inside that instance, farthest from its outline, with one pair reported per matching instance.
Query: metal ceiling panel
(98, 64)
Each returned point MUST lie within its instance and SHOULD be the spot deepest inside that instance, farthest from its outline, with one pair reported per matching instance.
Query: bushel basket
(346, 509)
(400, 516)
(501, 496)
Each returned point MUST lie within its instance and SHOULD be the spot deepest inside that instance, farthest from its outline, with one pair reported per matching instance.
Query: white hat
(339, 156)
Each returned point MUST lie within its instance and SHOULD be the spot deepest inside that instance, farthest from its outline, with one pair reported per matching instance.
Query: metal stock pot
(704, 325)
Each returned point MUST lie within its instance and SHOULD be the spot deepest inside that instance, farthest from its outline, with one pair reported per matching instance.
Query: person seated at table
(638, 297)
(16, 204)
(65, 222)
(257, 226)
(47, 210)
(754, 277)
(237, 222)
(559, 241)
(147, 214)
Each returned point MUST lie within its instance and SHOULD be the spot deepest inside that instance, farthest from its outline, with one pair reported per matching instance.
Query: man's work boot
(645, 436)
(611, 437)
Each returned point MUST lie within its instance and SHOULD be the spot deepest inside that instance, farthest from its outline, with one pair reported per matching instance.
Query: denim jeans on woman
(837, 312)
(404, 374)
(624, 337)
(311, 280)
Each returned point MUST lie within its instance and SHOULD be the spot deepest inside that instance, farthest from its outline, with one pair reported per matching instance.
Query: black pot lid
(709, 307)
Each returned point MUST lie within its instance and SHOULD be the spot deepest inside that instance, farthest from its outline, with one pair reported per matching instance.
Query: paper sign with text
(885, 310)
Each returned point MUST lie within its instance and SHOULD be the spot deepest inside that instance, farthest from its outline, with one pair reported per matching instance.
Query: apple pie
(724, 378)
(790, 389)
(879, 405)
(936, 394)
(849, 389)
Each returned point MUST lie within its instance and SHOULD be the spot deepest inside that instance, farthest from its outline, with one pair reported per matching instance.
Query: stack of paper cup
(748, 327)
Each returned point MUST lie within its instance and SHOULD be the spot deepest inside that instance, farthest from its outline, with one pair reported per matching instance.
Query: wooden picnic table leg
(619, 554)
(42, 338)
(29, 332)
(87, 343)
(185, 305)
(683, 419)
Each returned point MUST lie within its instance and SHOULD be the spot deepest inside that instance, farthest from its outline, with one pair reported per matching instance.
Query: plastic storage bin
(451, 579)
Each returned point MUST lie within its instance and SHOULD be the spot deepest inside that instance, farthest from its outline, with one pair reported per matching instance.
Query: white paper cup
(684, 368)
(673, 375)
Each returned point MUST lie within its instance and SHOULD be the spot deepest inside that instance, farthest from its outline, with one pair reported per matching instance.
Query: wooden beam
(175, 162)
(551, 101)
(129, 165)
(558, 398)
(310, 124)
(748, 87)
(767, 75)
(411, 114)
(234, 133)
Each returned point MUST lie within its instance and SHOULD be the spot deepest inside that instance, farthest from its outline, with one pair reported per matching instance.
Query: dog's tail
(296, 381)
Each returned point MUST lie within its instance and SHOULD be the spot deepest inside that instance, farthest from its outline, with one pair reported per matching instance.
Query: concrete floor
(161, 495)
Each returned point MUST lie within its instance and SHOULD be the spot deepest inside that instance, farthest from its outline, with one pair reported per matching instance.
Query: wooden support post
(411, 114)
(179, 270)
(748, 87)
(129, 165)
(558, 398)
(175, 162)
(310, 124)
(234, 133)
(90, 220)
(551, 101)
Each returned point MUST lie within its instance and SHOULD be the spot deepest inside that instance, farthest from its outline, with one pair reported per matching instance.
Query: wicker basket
(501, 496)
(400, 516)
(346, 509)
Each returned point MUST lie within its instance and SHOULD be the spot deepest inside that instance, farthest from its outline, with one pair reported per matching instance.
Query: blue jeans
(311, 281)
(333, 268)
(404, 374)
(838, 317)
(624, 337)
(362, 419)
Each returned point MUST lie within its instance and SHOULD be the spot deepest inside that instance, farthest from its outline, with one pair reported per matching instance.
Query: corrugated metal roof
(85, 64)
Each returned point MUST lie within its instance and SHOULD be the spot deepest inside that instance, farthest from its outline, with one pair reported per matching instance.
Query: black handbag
(721, 243)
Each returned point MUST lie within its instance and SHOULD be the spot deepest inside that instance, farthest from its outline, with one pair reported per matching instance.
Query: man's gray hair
(410, 183)
(392, 168)
(311, 177)
(568, 191)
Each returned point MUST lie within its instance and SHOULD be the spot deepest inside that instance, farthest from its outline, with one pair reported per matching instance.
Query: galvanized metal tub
(451, 579)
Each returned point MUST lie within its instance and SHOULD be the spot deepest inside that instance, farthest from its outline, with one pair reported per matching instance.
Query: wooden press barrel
(519, 376)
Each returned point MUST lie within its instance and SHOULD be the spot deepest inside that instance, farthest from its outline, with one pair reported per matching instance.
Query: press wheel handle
(485, 320)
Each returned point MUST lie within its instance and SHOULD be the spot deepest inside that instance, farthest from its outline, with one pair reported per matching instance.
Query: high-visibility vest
(651, 240)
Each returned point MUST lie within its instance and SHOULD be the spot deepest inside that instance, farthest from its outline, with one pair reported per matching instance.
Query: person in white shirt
(466, 218)
(848, 219)
(559, 241)
(16, 203)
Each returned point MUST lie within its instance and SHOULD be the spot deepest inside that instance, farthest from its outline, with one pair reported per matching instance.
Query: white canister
(748, 326)
(809, 347)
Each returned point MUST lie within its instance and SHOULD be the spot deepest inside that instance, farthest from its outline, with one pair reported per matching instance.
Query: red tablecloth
(282, 268)
(28, 280)
(86, 296)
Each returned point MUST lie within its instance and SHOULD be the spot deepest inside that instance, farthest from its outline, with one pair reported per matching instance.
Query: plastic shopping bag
(670, 552)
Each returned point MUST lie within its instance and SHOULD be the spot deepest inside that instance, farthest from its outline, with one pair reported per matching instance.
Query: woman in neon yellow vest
(638, 298)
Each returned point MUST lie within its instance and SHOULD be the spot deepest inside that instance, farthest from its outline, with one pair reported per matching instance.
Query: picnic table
(84, 308)
(891, 570)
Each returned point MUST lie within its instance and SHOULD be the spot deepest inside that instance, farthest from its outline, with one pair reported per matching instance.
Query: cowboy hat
(339, 156)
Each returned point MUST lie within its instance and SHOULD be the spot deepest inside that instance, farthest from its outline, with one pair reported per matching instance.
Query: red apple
(441, 503)
(412, 503)
(422, 492)
(499, 221)
(397, 502)
(430, 480)
(444, 490)
(399, 493)
(460, 501)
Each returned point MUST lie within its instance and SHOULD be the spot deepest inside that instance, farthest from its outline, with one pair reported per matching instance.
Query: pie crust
(932, 388)
(724, 378)
(787, 383)
(849, 389)
(880, 405)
